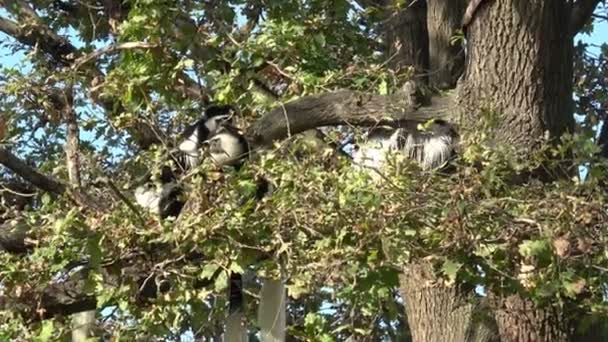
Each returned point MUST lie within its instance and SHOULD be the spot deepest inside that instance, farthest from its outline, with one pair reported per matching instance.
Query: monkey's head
(228, 147)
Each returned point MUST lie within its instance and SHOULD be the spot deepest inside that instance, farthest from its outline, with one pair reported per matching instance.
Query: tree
(108, 84)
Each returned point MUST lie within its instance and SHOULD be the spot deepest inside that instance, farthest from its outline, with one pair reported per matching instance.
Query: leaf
(450, 269)
(221, 282)
(534, 248)
(46, 332)
(208, 270)
(383, 88)
(574, 288)
(320, 39)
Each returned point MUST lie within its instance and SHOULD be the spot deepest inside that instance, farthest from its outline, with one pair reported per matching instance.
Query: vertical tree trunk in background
(82, 325)
(271, 312)
(519, 320)
(435, 312)
(520, 63)
(236, 327)
(83, 322)
(438, 313)
(446, 60)
(407, 37)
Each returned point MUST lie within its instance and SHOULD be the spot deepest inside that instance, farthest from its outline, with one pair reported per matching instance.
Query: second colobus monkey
(164, 198)
(431, 148)
(194, 135)
(228, 147)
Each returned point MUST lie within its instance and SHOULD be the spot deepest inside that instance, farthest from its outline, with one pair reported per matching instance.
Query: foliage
(340, 236)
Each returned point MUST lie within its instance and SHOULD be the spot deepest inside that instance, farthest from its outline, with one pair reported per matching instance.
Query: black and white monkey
(225, 146)
(432, 148)
(228, 147)
(202, 130)
(164, 197)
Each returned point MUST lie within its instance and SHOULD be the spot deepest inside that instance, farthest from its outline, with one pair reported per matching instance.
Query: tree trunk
(83, 324)
(520, 67)
(407, 37)
(271, 311)
(434, 311)
(519, 319)
(439, 313)
(236, 327)
(446, 60)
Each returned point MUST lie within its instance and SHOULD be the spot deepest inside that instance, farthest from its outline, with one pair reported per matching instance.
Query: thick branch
(72, 142)
(582, 10)
(41, 36)
(343, 107)
(30, 174)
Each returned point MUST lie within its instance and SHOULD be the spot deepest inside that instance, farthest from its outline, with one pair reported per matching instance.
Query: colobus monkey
(431, 148)
(228, 147)
(202, 130)
(164, 199)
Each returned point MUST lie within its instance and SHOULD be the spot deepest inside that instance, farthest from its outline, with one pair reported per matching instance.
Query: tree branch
(30, 174)
(470, 11)
(72, 140)
(112, 48)
(67, 297)
(582, 10)
(344, 107)
(603, 140)
(38, 34)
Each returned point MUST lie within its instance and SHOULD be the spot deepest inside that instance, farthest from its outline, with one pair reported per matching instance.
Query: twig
(122, 197)
(112, 48)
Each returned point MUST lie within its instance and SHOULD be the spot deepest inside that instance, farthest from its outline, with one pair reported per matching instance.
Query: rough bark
(345, 107)
(520, 320)
(407, 37)
(438, 313)
(446, 60)
(520, 67)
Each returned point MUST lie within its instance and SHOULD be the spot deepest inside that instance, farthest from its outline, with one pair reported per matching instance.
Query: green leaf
(534, 248)
(383, 88)
(208, 270)
(46, 331)
(450, 269)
